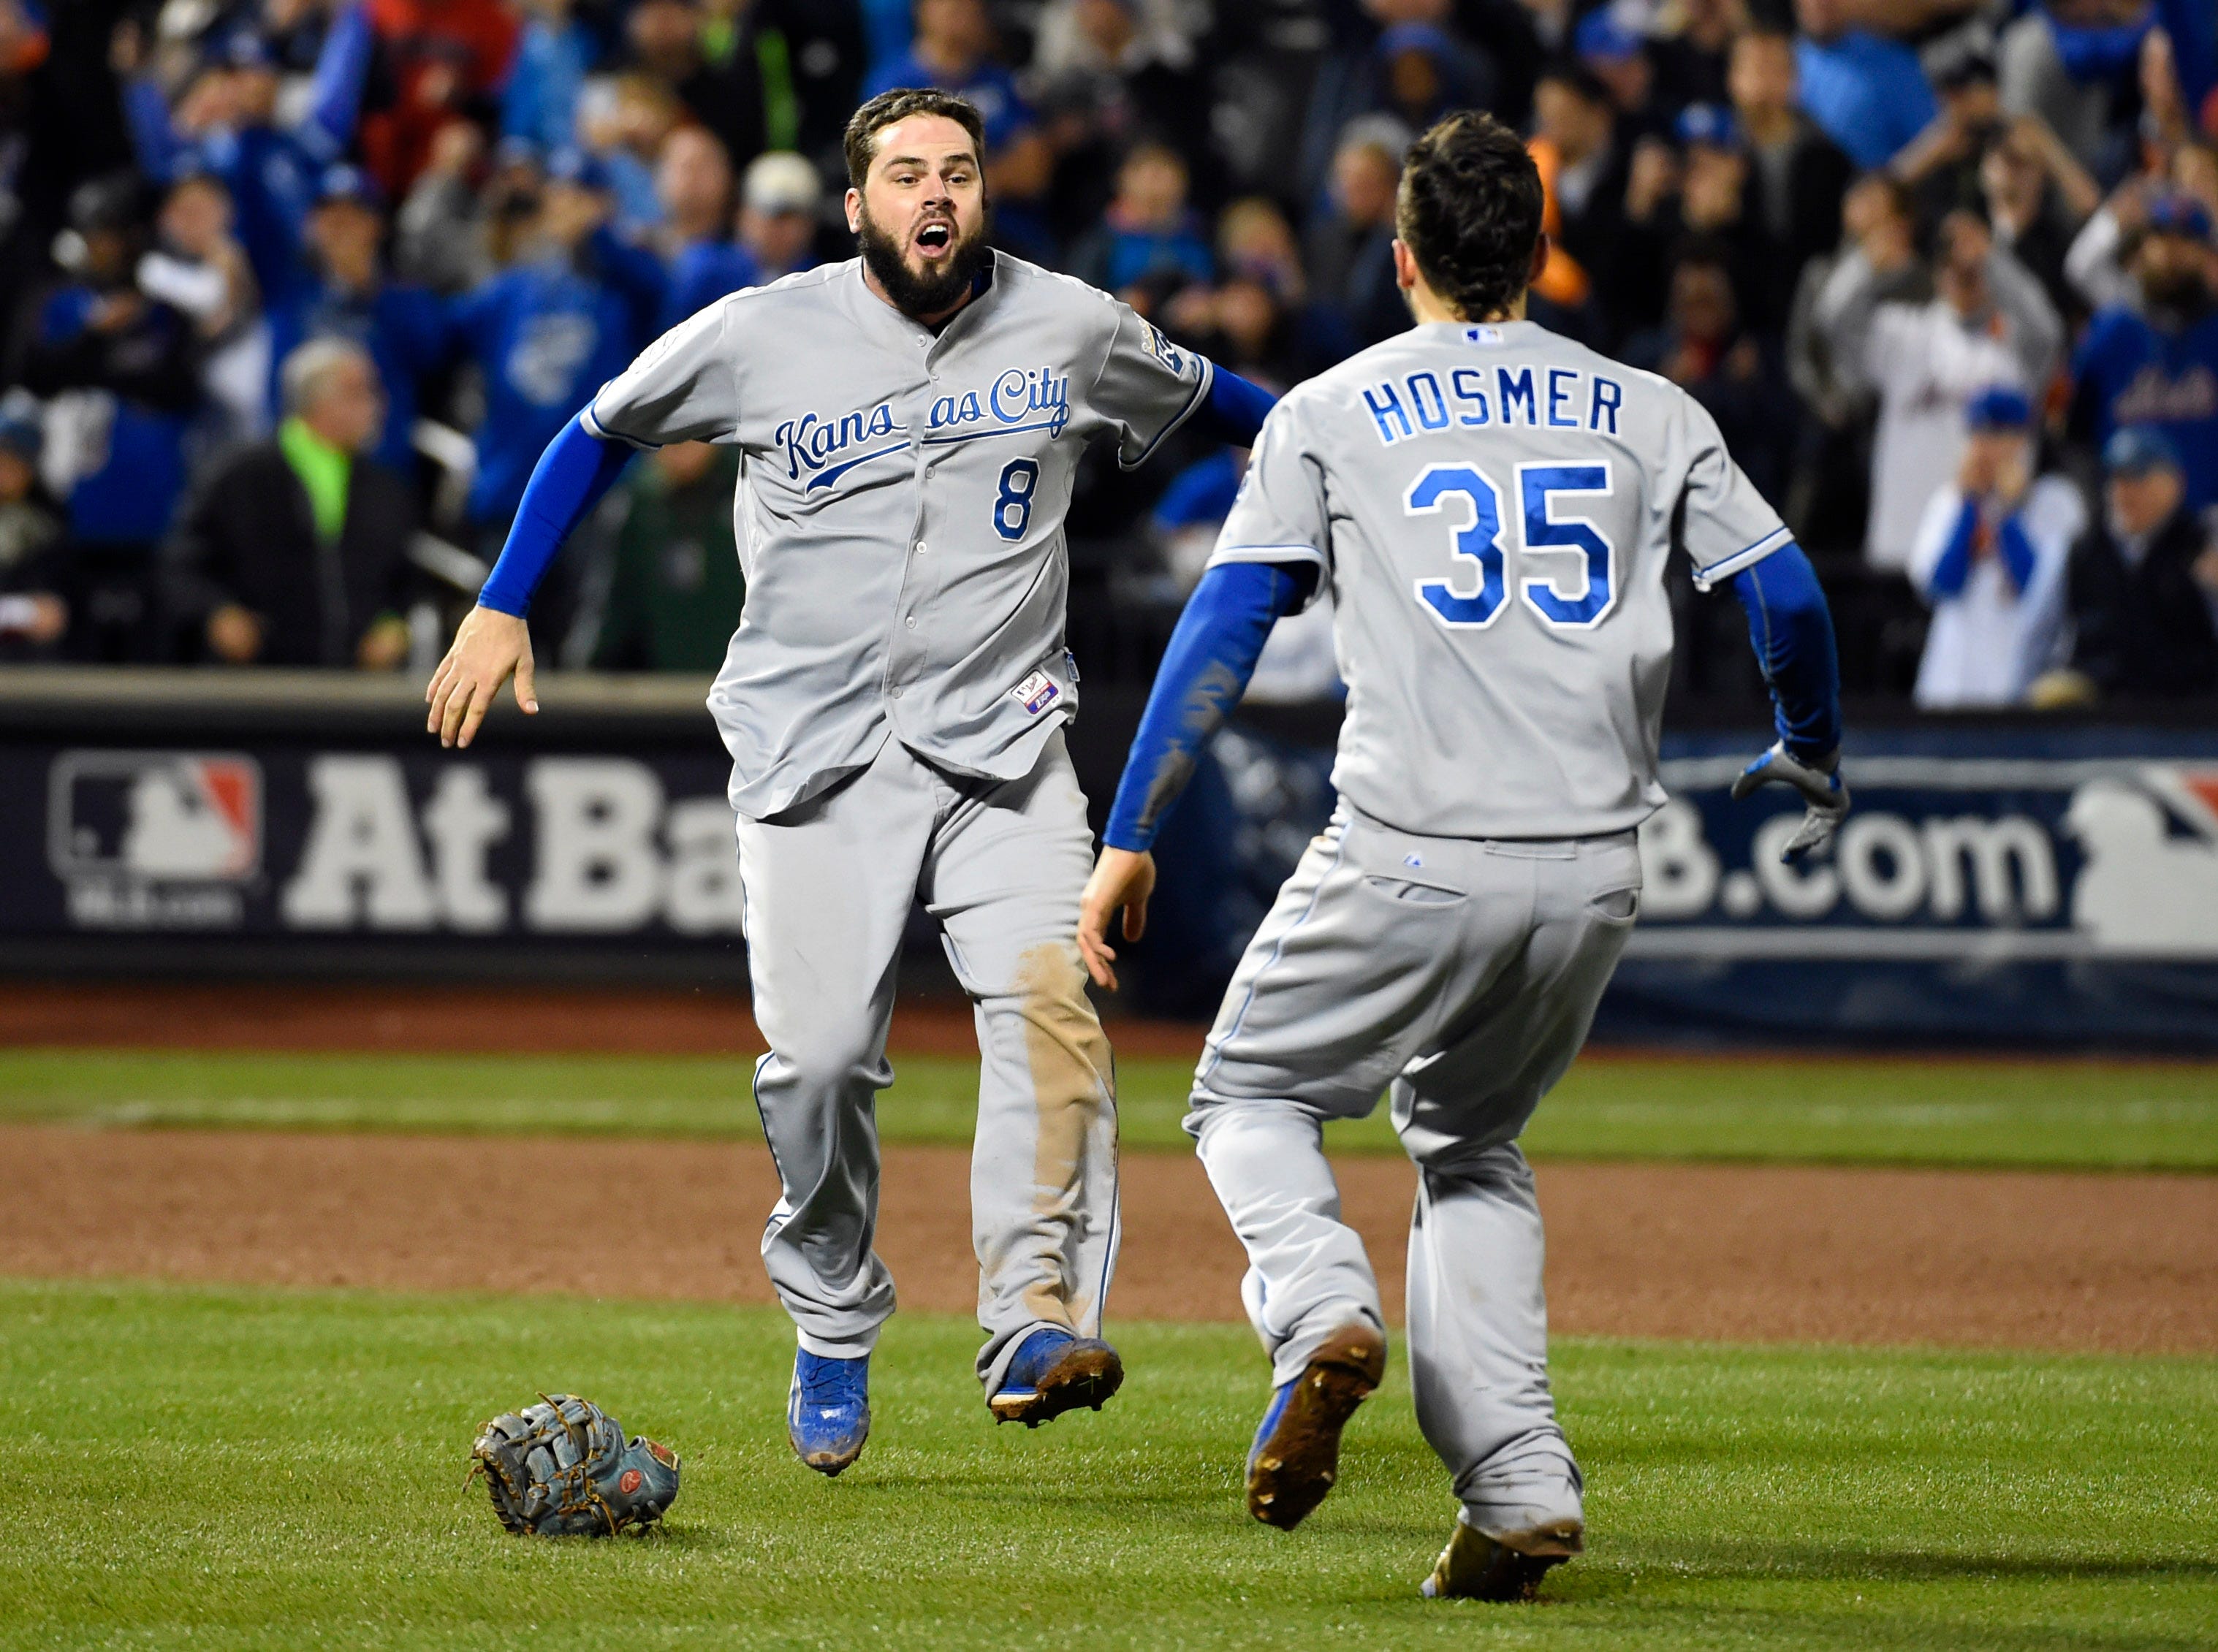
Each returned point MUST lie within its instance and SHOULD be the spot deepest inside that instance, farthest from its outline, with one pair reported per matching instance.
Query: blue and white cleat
(1054, 1372)
(1296, 1456)
(828, 1415)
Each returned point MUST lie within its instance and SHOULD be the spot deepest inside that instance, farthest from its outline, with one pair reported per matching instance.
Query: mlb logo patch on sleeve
(1036, 693)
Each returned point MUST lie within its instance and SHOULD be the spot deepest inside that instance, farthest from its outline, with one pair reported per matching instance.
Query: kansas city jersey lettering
(825, 447)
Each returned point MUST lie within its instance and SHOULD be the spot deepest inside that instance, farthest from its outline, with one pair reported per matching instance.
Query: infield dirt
(1731, 1253)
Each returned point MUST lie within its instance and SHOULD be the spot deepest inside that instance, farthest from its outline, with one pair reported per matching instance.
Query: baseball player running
(909, 422)
(1491, 507)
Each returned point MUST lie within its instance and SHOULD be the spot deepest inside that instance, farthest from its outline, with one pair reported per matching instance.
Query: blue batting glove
(1821, 787)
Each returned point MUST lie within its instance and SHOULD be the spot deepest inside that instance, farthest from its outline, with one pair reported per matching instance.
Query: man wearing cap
(1710, 201)
(2158, 364)
(1990, 557)
(121, 374)
(778, 205)
(550, 331)
(1616, 54)
(2144, 582)
(348, 295)
(1988, 323)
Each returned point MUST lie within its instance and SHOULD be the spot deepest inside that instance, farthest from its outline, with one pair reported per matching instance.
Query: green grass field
(239, 1468)
(1822, 1108)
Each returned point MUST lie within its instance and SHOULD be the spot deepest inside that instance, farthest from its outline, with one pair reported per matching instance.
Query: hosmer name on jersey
(1543, 398)
(827, 446)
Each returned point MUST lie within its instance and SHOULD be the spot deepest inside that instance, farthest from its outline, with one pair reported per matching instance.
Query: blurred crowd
(295, 291)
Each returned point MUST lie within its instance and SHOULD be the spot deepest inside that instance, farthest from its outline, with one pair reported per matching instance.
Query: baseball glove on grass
(563, 1466)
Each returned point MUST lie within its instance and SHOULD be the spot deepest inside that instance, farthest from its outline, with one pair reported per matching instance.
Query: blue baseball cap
(344, 183)
(244, 49)
(2134, 449)
(1427, 38)
(2174, 213)
(1999, 407)
(1603, 33)
(580, 167)
(1711, 125)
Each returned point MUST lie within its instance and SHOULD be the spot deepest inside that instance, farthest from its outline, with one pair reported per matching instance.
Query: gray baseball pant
(828, 885)
(1461, 976)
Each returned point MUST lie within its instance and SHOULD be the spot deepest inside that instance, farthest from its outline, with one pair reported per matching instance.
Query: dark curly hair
(860, 139)
(1470, 212)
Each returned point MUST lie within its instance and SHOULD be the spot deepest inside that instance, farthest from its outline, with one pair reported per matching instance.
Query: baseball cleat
(1054, 1372)
(1477, 1566)
(1296, 1456)
(828, 1415)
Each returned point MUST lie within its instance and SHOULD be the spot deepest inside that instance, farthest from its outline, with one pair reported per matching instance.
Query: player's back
(1496, 504)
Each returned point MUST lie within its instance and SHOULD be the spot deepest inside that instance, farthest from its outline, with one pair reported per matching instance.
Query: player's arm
(1205, 670)
(1234, 411)
(682, 388)
(494, 642)
(1732, 535)
(1792, 631)
(1272, 558)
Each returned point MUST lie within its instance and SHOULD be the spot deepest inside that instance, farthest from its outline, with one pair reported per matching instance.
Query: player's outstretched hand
(486, 649)
(1121, 879)
(1820, 784)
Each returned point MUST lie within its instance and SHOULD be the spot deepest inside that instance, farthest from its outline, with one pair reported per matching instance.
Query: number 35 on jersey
(1566, 566)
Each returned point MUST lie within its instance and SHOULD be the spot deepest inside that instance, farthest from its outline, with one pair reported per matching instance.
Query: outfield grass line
(1826, 1110)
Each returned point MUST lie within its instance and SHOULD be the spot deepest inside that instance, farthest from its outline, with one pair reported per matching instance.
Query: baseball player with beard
(1491, 508)
(909, 422)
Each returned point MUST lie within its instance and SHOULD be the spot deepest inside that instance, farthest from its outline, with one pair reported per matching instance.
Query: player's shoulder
(802, 287)
(1023, 282)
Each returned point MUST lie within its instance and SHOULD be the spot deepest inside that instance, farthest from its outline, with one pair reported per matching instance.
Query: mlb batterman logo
(147, 839)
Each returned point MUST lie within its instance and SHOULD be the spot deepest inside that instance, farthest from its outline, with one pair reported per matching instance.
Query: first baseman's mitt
(564, 1466)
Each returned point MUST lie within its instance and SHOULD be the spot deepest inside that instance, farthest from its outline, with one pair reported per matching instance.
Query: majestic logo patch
(1036, 693)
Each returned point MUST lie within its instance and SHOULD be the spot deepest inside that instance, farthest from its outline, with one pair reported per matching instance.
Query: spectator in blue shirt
(2158, 365)
(1147, 230)
(778, 205)
(694, 183)
(348, 295)
(124, 373)
(227, 125)
(551, 330)
(952, 50)
(540, 102)
(1868, 93)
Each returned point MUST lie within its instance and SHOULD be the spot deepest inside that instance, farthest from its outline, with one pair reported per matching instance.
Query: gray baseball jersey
(900, 509)
(1492, 506)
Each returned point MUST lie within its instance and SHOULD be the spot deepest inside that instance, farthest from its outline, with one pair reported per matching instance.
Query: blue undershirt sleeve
(566, 484)
(1234, 411)
(1792, 631)
(1955, 564)
(2017, 555)
(1205, 668)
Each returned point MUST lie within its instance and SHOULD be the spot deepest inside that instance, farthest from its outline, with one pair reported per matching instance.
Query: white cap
(782, 182)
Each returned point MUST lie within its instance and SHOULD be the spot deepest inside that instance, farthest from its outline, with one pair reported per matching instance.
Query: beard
(926, 295)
